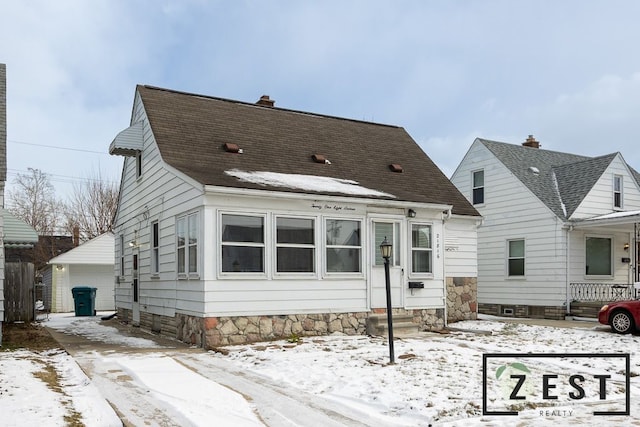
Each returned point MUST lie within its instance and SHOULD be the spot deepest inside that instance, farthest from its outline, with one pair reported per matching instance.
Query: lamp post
(385, 250)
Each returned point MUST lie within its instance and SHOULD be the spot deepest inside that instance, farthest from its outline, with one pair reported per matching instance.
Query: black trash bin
(84, 299)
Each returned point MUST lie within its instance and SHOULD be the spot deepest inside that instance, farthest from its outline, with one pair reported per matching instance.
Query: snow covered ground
(437, 379)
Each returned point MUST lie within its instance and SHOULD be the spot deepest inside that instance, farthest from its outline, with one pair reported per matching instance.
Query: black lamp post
(386, 249)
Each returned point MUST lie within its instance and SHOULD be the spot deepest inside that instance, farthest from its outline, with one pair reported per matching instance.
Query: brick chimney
(76, 236)
(531, 142)
(264, 100)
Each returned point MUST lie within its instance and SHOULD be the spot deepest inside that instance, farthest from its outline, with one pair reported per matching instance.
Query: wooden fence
(19, 303)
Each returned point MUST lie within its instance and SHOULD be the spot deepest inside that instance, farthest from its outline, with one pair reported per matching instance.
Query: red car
(623, 316)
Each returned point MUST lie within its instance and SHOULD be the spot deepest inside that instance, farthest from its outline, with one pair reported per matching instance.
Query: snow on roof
(319, 184)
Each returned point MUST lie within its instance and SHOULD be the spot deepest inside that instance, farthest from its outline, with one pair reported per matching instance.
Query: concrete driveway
(101, 360)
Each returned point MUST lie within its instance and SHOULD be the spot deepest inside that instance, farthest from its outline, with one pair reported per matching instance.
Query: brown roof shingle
(191, 132)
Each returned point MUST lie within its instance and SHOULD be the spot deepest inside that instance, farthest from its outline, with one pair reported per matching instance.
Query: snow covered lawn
(437, 379)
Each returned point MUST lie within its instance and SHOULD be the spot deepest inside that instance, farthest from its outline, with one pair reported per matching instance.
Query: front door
(391, 230)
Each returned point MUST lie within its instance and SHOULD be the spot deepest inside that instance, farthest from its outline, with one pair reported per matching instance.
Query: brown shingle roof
(191, 132)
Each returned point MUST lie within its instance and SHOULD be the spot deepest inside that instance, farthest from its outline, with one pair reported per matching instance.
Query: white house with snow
(241, 221)
(560, 231)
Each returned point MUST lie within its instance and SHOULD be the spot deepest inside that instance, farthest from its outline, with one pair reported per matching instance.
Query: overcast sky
(567, 72)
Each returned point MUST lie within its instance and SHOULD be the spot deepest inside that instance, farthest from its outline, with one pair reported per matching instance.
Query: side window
(421, 249)
(515, 262)
(187, 243)
(295, 245)
(122, 255)
(617, 191)
(155, 250)
(138, 164)
(478, 187)
(243, 244)
(598, 256)
(343, 246)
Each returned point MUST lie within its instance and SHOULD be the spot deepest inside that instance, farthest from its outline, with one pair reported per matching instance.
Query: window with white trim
(617, 191)
(478, 187)
(515, 262)
(343, 246)
(598, 256)
(122, 255)
(295, 245)
(138, 164)
(155, 249)
(243, 248)
(187, 245)
(390, 231)
(421, 249)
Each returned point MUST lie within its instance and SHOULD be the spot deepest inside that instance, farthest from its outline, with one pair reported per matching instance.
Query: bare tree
(91, 207)
(33, 201)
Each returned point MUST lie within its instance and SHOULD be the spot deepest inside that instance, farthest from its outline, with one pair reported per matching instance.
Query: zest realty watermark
(512, 382)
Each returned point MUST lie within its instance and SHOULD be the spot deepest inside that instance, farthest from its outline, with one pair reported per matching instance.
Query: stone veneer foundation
(462, 298)
(212, 332)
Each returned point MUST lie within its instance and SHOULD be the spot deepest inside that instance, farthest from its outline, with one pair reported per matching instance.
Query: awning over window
(128, 142)
(17, 233)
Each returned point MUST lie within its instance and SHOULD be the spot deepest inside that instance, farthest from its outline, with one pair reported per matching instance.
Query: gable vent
(319, 158)
(230, 147)
(394, 167)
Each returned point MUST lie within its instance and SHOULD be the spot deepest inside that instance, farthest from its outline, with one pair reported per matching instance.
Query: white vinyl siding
(601, 199)
(514, 211)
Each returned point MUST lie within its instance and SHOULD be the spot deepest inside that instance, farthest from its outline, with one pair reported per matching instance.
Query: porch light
(385, 250)
(411, 213)
(626, 247)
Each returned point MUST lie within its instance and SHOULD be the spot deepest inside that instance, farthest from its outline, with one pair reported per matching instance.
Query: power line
(57, 148)
(62, 178)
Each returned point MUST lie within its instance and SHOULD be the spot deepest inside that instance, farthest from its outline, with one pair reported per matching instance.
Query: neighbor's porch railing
(601, 292)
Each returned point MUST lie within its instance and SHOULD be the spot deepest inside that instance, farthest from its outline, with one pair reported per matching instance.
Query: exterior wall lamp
(386, 249)
(59, 267)
(411, 213)
(626, 247)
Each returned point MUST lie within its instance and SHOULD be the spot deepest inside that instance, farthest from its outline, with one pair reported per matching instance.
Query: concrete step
(402, 325)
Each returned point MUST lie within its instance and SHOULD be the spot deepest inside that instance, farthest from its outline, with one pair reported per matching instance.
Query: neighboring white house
(559, 231)
(239, 222)
(90, 264)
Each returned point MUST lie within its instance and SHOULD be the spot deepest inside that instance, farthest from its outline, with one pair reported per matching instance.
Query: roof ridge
(519, 146)
(589, 159)
(253, 104)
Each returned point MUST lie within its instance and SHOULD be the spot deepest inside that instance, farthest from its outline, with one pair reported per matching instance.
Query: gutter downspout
(567, 272)
(446, 215)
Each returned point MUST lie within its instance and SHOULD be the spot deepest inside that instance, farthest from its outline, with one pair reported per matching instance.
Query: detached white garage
(90, 264)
